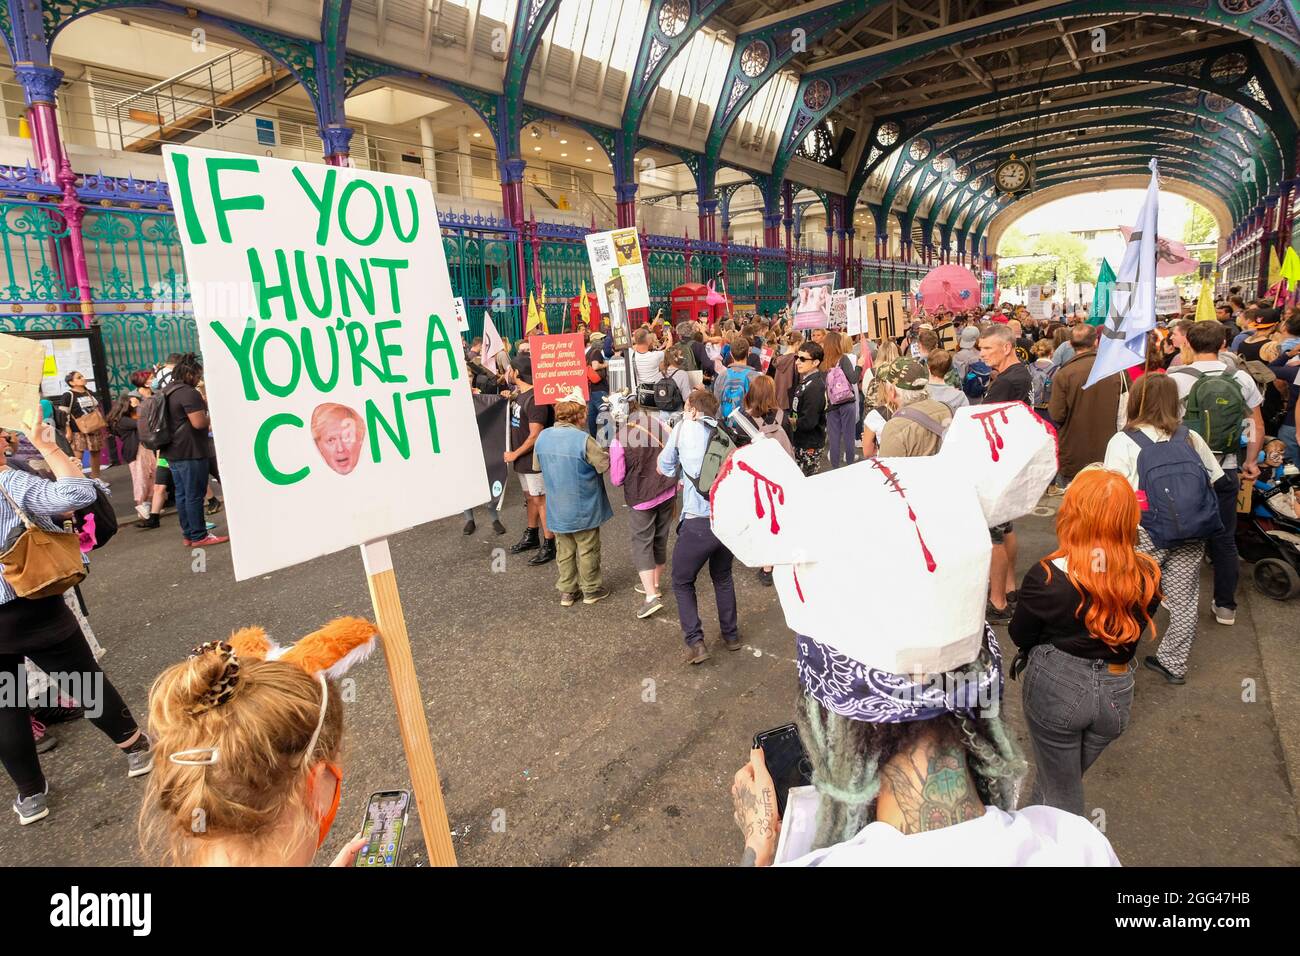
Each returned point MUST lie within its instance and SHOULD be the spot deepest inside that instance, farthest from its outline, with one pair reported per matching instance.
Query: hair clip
(223, 688)
(213, 755)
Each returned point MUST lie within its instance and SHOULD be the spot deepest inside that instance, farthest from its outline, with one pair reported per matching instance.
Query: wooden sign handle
(411, 721)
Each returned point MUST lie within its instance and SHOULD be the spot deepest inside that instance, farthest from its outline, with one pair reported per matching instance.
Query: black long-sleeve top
(808, 410)
(1051, 613)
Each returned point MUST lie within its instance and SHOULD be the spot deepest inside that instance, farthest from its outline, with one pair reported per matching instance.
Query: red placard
(559, 366)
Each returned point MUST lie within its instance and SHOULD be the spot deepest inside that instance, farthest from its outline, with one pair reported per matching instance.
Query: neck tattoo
(931, 787)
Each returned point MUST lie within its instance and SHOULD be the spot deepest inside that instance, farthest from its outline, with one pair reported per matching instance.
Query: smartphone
(786, 760)
(383, 827)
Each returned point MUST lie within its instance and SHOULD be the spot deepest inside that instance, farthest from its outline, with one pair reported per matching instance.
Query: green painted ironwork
(34, 269)
(140, 340)
(482, 271)
(564, 268)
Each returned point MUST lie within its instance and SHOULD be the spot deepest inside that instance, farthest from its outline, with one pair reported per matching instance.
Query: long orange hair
(1096, 529)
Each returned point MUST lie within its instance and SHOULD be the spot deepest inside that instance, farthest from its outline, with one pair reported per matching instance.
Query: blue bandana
(850, 689)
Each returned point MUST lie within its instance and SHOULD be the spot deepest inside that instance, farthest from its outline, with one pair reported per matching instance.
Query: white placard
(462, 317)
(854, 312)
(619, 249)
(340, 402)
(1167, 300)
(840, 299)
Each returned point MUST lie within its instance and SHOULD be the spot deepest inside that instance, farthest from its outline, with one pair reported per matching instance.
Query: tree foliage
(1071, 262)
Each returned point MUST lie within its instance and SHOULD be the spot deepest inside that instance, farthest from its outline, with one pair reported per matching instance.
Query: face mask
(327, 819)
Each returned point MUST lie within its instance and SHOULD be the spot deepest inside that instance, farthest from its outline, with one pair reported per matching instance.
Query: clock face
(1012, 176)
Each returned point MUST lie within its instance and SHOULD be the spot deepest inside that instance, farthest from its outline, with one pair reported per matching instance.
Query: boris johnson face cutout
(339, 434)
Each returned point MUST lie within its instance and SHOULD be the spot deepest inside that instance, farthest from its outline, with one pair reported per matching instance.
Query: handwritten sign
(22, 365)
(343, 382)
(885, 315)
(559, 366)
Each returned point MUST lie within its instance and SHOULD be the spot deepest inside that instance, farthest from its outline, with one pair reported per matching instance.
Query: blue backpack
(1181, 505)
(976, 380)
(734, 390)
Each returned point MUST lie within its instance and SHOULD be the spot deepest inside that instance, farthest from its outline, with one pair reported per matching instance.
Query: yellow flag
(584, 307)
(1205, 305)
(534, 318)
(1274, 267)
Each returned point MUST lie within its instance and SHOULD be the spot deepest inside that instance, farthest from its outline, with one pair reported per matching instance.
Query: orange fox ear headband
(326, 654)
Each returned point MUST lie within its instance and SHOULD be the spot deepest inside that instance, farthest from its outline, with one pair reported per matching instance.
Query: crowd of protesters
(1196, 414)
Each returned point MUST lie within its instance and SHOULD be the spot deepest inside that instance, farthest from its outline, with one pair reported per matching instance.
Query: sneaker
(497, 526)
(591, 597)
(765, 577)
(470, 527)
(650, 606)
(140, 762)
(1150, 662)
(568, 598)
(212, 506)
(996, 615)
(45, 741)
(1055, 491)
(208, 541)
(1224, 615)
(66, 710)
(639, 588)
(697, 653)
(33, 808)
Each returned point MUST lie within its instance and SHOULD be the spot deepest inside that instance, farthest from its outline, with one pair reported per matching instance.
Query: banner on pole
(341, 379)
(812, 304)
(619, 250)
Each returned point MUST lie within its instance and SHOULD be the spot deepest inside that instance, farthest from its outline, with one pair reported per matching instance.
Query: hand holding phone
(786, 760)
(383, 827)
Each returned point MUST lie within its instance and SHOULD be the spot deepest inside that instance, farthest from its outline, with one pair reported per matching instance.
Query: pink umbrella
(949, 287)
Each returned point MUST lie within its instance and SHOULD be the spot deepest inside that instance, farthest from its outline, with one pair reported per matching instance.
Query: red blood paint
(798, 590)
(892, 480)
(770, 486)
(991, 433)
(722, 473)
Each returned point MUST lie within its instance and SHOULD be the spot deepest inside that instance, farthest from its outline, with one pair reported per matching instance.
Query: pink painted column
(40, 84)
(73, 213)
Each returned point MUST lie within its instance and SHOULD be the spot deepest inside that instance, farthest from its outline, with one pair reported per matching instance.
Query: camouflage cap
(904, 373)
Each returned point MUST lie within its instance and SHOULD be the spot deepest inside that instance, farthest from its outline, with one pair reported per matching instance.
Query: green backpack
(1215, 409)
(716, 452)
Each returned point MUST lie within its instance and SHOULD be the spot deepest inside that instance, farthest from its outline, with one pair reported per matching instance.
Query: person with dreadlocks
(908, 755)
(189, 450)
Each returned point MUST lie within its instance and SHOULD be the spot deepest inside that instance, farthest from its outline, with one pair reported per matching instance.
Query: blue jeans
(593, 414)
(190, 476)
(1074, 708)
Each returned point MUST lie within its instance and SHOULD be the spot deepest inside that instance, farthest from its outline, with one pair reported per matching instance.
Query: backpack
(718, 450)
(924, 420)
(734, 390)
(1040, 389)
(976, 380)
(154, 425)
(1215, 408)
(1180, 501)
(838, 389)
(668, 397)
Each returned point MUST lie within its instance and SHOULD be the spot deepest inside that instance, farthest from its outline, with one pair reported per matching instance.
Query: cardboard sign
(345, 389)
(854, 315)
(619, 249)
(620, 329)
(22, 366)
(812, 304)
(462, 317)
(1168, 301)
(885, 315)
(559, 366)
(930, 543)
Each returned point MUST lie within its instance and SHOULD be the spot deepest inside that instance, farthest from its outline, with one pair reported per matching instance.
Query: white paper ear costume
(887, 560)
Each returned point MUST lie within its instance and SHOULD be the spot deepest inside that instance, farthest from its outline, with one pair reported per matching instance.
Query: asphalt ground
(568, 737)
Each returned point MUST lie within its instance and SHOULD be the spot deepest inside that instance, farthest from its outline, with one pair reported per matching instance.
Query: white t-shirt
(646, 365)
(1249, 391)
(1122, 453)
(1034, 836)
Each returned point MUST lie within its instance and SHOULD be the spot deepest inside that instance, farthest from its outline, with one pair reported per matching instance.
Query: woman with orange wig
(1081, 612)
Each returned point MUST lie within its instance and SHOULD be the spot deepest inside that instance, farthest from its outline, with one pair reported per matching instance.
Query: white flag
(492, 344)
(1133, 300)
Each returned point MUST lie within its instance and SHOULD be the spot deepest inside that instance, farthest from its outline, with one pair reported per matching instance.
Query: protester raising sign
(341, 385)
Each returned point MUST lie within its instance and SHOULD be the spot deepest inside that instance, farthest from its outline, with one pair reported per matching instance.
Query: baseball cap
(970, 337)
(597, 336)
(904, 373)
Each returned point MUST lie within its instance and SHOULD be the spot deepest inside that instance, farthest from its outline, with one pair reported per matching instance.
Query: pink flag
(1171, 256)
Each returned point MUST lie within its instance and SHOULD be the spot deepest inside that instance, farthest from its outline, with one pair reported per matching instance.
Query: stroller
(1270, 536)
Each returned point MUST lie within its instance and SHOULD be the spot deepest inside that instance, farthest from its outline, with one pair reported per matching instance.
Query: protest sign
(619, 249)
(885, 315)
(812, 304)
(1167, 301)
(840, 299)
(559, 366)
(462, 317)
(854, 314)
(22, 366)
(614, 304)
(344, 388)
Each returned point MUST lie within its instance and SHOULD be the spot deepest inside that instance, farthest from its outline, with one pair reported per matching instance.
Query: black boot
(545, 553)
(150, 522)
(470, 527)
(527, 543)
